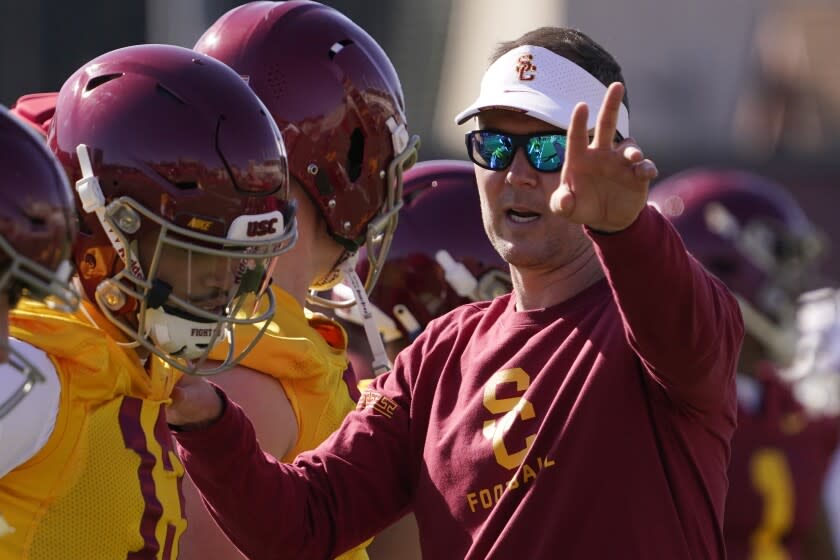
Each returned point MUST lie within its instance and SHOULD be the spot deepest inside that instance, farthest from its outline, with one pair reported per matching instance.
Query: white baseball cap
(537, 82)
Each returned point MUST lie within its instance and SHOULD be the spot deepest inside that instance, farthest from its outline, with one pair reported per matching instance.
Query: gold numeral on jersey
(771, 478)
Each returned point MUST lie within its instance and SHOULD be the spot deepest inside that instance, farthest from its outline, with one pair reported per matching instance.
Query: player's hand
(603, 185)
(195, 403)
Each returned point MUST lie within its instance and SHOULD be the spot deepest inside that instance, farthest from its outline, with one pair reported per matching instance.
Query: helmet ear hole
(355, 154)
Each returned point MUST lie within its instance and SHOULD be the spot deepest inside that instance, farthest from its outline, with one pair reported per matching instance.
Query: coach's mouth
(521, 216)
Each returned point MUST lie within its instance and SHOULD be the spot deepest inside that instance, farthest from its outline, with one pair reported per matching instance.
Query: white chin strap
(457, 275)
(381, 363)
(387, 327)
(178, 336)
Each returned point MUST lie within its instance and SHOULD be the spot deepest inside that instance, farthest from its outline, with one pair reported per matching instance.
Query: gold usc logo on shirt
(512, 408)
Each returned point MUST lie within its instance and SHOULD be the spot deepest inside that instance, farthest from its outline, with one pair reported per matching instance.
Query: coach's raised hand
(603, 185)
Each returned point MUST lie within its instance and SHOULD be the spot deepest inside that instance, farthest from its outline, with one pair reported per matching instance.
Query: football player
(753, 235)
(37, 229)
(181, 186)
(337, 99)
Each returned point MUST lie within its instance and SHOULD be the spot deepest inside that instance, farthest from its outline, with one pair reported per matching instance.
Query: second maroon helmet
(338, 101)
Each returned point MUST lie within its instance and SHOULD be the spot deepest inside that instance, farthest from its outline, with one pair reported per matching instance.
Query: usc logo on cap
(525, 68)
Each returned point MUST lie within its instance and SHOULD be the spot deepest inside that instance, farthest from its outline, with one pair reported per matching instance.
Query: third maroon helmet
(338, 101)
(440, 257)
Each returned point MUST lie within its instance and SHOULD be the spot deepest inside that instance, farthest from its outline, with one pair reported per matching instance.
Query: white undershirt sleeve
(26, 429)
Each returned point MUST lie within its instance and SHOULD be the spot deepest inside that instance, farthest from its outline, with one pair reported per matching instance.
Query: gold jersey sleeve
(107, 483)
(307, 353)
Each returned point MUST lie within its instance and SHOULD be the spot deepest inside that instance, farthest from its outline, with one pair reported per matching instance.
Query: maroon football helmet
(440, 257)
(339, 104)
(37, 229)
(751, 233)
(182, 188)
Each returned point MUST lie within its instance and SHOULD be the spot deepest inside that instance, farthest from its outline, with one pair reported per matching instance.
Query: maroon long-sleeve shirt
(596, 428)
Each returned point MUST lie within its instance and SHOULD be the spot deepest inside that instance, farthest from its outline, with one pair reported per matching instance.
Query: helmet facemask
(379, 232)
(180, 291)
(23, 277)
(30, 375)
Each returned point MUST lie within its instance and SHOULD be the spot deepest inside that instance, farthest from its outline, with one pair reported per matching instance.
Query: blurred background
(745, 83)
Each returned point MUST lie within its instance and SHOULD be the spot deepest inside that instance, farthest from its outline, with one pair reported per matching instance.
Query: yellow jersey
(307, 353)
(106, 484)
